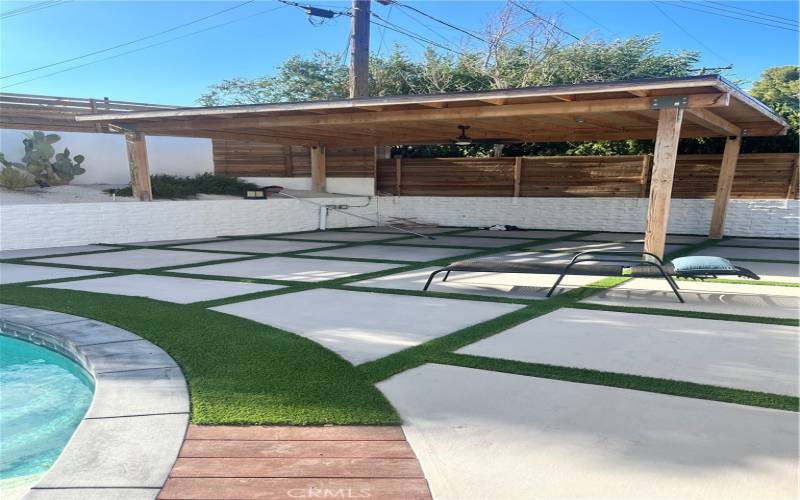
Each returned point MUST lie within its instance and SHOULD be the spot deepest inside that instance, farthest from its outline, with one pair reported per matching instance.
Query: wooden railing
(27, 112)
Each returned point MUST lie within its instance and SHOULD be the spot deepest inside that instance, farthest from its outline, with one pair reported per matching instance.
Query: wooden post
(398, 175)
(726, 173)
(666, 152)
(647, 168)
(517, 175)
(497, 150)
(318, 175)
(359, 49)
(791, 192)
(139, 167)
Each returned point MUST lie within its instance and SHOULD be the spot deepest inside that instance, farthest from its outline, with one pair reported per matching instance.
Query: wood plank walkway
(277, 462)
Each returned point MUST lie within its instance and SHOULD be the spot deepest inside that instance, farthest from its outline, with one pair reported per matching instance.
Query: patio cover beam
(460, 113)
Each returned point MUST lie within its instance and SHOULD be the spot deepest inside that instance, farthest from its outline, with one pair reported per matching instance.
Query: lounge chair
(586, 264)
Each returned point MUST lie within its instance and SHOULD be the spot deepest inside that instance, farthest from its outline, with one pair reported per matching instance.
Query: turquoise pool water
(43, 397)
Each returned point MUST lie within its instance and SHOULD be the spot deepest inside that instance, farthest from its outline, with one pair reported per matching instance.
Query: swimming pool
(43, 397)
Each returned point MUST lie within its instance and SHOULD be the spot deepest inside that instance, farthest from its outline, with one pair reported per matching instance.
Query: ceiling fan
(465, 140)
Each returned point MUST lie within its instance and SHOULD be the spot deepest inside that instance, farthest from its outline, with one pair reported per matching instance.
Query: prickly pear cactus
(44, 164)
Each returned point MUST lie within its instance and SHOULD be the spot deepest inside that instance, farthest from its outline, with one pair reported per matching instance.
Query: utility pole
(359, 49)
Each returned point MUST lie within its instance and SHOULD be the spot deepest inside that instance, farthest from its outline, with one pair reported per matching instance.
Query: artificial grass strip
(622, 381)
(238, 371)
(383, 368)
(688, 314)
(748, 282)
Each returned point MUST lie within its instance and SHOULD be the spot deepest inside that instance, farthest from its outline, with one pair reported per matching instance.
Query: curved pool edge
(131, 435)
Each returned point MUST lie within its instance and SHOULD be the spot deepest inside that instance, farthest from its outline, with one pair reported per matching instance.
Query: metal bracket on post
(675, 101)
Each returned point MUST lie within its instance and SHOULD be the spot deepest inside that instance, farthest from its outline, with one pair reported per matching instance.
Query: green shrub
(171, 187)
(15, 179)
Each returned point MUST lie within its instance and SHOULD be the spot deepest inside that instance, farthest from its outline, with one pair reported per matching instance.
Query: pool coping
(131, 434)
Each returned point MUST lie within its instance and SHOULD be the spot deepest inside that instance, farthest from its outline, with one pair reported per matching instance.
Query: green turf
(621, 380)
(243, 372)
(238, 371)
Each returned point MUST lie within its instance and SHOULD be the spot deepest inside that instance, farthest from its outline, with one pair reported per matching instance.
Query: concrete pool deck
(590, 441)
(130, 436)
(361, 326)
(478, 433)
(722, 353)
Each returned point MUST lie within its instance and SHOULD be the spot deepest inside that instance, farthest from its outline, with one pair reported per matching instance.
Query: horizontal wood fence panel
(757, 176)
(253, 159)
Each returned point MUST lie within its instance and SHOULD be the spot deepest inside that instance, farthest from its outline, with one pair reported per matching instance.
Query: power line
(551, 23)
(440, 21)
(592, 19)
(757, 13)
(413, 18)
(685, 31)
(89, 54)
(729, 16)
(32, 8)
(383, 32)
(414, 36)
(138, 49)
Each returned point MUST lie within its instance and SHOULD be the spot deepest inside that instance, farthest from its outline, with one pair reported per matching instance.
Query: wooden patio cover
(664, 109)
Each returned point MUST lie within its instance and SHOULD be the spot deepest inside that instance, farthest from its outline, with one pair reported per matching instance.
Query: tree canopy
(536, 57)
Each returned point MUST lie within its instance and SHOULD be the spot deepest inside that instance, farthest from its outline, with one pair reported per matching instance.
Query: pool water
(43, 398)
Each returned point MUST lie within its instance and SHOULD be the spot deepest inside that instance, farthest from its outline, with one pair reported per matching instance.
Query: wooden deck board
(279, 462)
(283, 489)
(296, 467)
(201, 448)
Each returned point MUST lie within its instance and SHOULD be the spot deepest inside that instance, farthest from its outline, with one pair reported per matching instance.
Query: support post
(359, 49)
(647, 167)
(726, 173)
(517, 175)
(318, 174)
(139, 168)
(666, 152)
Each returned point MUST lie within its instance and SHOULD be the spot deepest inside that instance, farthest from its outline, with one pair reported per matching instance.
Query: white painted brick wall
(777, 218)
(32, 226)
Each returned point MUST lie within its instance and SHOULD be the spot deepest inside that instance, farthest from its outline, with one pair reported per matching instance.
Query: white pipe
(323, 217)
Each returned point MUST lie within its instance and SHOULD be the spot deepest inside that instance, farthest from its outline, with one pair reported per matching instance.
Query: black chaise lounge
(647, 265)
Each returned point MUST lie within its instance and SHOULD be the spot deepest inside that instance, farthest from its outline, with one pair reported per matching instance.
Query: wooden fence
(757, 176)
(38, 112)
(252, 159)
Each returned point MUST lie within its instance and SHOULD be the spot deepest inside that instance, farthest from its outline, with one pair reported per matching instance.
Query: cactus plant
(39, 161)
(13, 175)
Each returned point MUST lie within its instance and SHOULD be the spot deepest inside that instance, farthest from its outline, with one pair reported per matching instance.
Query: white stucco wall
(107, 158)
(359, 186)
(32, 226)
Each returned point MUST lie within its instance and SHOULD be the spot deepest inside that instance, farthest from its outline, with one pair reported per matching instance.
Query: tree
(778, 88)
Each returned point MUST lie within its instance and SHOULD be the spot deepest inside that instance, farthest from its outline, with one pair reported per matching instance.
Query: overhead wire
(440, 21)
(138, 49)
(131, 42)
(590, 18)
(680, 5)
(689, 34)
(32, 8)
(755, 13)
(551, 23)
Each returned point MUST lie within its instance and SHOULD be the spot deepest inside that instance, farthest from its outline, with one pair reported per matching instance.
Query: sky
(251, 40)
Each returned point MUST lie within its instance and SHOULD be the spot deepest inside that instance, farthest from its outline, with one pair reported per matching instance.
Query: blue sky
(258, 38)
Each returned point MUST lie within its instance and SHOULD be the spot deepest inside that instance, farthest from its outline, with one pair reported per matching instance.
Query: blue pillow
(702, 263)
